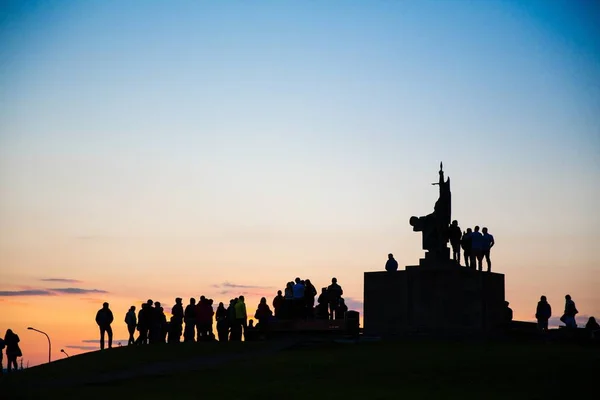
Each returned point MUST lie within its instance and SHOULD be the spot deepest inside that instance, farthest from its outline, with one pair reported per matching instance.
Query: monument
(437, 295)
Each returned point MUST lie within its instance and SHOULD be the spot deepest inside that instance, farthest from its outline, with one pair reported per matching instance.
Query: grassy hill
(382, 370)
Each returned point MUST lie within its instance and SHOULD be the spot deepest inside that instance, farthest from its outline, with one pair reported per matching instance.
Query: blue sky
(253, 140)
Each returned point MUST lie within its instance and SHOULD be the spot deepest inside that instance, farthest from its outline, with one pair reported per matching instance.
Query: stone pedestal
(448, 298)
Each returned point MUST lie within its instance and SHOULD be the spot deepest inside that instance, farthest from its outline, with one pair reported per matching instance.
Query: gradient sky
(155, 149)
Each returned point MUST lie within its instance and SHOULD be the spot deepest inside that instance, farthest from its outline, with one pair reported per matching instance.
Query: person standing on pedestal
(455, 235)
(466, 245)
(488, 243)
(391, 265)
(476, 248)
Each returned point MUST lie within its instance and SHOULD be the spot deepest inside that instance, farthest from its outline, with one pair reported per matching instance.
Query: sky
(154, 149)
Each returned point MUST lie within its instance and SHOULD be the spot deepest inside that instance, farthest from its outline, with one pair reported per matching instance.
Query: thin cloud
(236, 286)
(77, 290)
(353, 304)
(62, 280)
(32, 292)
(98, 341)
(82, 347)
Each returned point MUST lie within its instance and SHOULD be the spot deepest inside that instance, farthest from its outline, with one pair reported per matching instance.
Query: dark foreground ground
(382, 370)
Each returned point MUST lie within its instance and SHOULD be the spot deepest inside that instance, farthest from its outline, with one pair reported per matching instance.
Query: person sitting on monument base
(342, 309)
(391, 264)
(455, 235)
(323, 303)
(593, 327)
(477, 246)
(507, 316)
(466, 244)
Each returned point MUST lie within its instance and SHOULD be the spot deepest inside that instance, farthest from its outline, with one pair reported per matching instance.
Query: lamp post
(49, 344)
(65, 353)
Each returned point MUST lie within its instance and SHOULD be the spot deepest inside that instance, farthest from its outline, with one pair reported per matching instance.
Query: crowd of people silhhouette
(195, 322)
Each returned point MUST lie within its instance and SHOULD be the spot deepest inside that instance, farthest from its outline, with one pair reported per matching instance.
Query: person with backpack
(570, 311)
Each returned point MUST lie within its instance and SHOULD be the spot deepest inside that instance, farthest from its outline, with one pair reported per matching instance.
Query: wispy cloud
(62, 280)
(353, 304)
(49, 292)
(82, 347)
(98, 341)
(237, 286)
(32, 292)
(77, 290)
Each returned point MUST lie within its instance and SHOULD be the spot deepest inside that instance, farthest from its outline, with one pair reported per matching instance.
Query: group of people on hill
(543, 313)
(475, 245)
(13, 351)
(195, 322)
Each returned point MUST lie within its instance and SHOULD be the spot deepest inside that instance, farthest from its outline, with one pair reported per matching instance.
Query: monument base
(446, 299)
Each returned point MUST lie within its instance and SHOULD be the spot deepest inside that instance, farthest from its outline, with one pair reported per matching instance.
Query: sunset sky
(162, 149)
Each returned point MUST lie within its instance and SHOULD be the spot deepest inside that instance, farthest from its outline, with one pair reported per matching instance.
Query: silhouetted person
(162, 327)
(467, 245)
(488, 243)
(342, 309)
(104, 317)
(176, 325)
(235, 328)
(570, 311)
(13, 351)
(391, 264)
(189, 317)
(240, 315)
(222, 327)
(477, 248)
(250, 334)
(334, 292)
(288, 304)
(144, 318)
(211, 335)
(278, 304)
(455, 234)
(263, 313)
(323, 304)
(2, 345)
(543, 314)
(593, 327)
(298, 298)
(204, 315)
(309, 298)
(131, 321)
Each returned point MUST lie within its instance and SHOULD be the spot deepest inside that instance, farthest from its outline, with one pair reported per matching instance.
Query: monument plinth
(438, 295)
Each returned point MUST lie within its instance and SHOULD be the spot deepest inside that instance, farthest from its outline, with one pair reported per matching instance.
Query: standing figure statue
(435, 226)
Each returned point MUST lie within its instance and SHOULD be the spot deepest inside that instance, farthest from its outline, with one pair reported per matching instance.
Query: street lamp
(49, 344)
(63, 351)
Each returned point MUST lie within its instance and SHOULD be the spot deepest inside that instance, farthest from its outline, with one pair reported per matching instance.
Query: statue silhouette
(435, 226)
